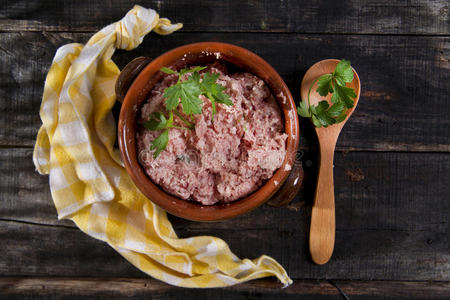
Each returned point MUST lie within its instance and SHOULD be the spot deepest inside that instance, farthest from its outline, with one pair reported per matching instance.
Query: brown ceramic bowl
(200, 54)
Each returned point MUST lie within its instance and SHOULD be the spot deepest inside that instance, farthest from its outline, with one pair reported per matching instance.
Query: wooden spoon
(323, 224)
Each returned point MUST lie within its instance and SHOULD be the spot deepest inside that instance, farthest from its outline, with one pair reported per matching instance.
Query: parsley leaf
(214, 91)
(193, 70)
(186, 91)
(316, 121)
(321, 107)
(343, 72)
(336, 109)
(345, 94)
(172, 95)
(342, 97)
(160, 143)
(158, 121)
(341, 117)
(195, 77)
(321, 113)
(190, 101)
(324, 85)
(325, 120)
(223, 98)
(168, 71)
(189, 92)
(303, 110)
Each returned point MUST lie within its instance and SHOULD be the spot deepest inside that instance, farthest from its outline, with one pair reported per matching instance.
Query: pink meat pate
(221, 160)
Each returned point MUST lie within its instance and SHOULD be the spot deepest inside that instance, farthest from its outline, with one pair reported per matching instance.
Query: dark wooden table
(392, 166)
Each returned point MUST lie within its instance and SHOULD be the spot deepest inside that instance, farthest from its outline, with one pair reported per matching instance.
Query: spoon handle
(323, 226)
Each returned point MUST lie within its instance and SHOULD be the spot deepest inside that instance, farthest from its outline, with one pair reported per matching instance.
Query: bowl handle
(128, 74)
(290, 187)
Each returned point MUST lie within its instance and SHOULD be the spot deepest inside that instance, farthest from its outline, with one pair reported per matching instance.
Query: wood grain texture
(392, 167)
(391, 225)
(136, 288)
(323, 217)
(404, 79)
(367, 17)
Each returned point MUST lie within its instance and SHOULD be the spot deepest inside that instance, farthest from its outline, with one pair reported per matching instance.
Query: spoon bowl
(318, 69)
(323, 223)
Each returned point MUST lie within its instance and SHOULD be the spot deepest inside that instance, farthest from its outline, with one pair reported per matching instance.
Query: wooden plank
(36, 250)
(132, 288)
(369, 16)
(377, 189)
(57, 251)
(405, 81)
(392, 223)
(394, 289)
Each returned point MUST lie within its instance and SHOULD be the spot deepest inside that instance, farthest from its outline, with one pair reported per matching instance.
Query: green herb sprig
(186, 92)
(342, 99)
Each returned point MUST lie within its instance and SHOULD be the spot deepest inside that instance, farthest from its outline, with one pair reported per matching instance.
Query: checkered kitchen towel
(89, 184)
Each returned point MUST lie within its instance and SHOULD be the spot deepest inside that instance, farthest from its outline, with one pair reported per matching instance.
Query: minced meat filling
(220, 160)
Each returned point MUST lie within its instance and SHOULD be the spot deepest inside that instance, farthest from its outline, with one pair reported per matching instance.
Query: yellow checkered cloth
(88, 181)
